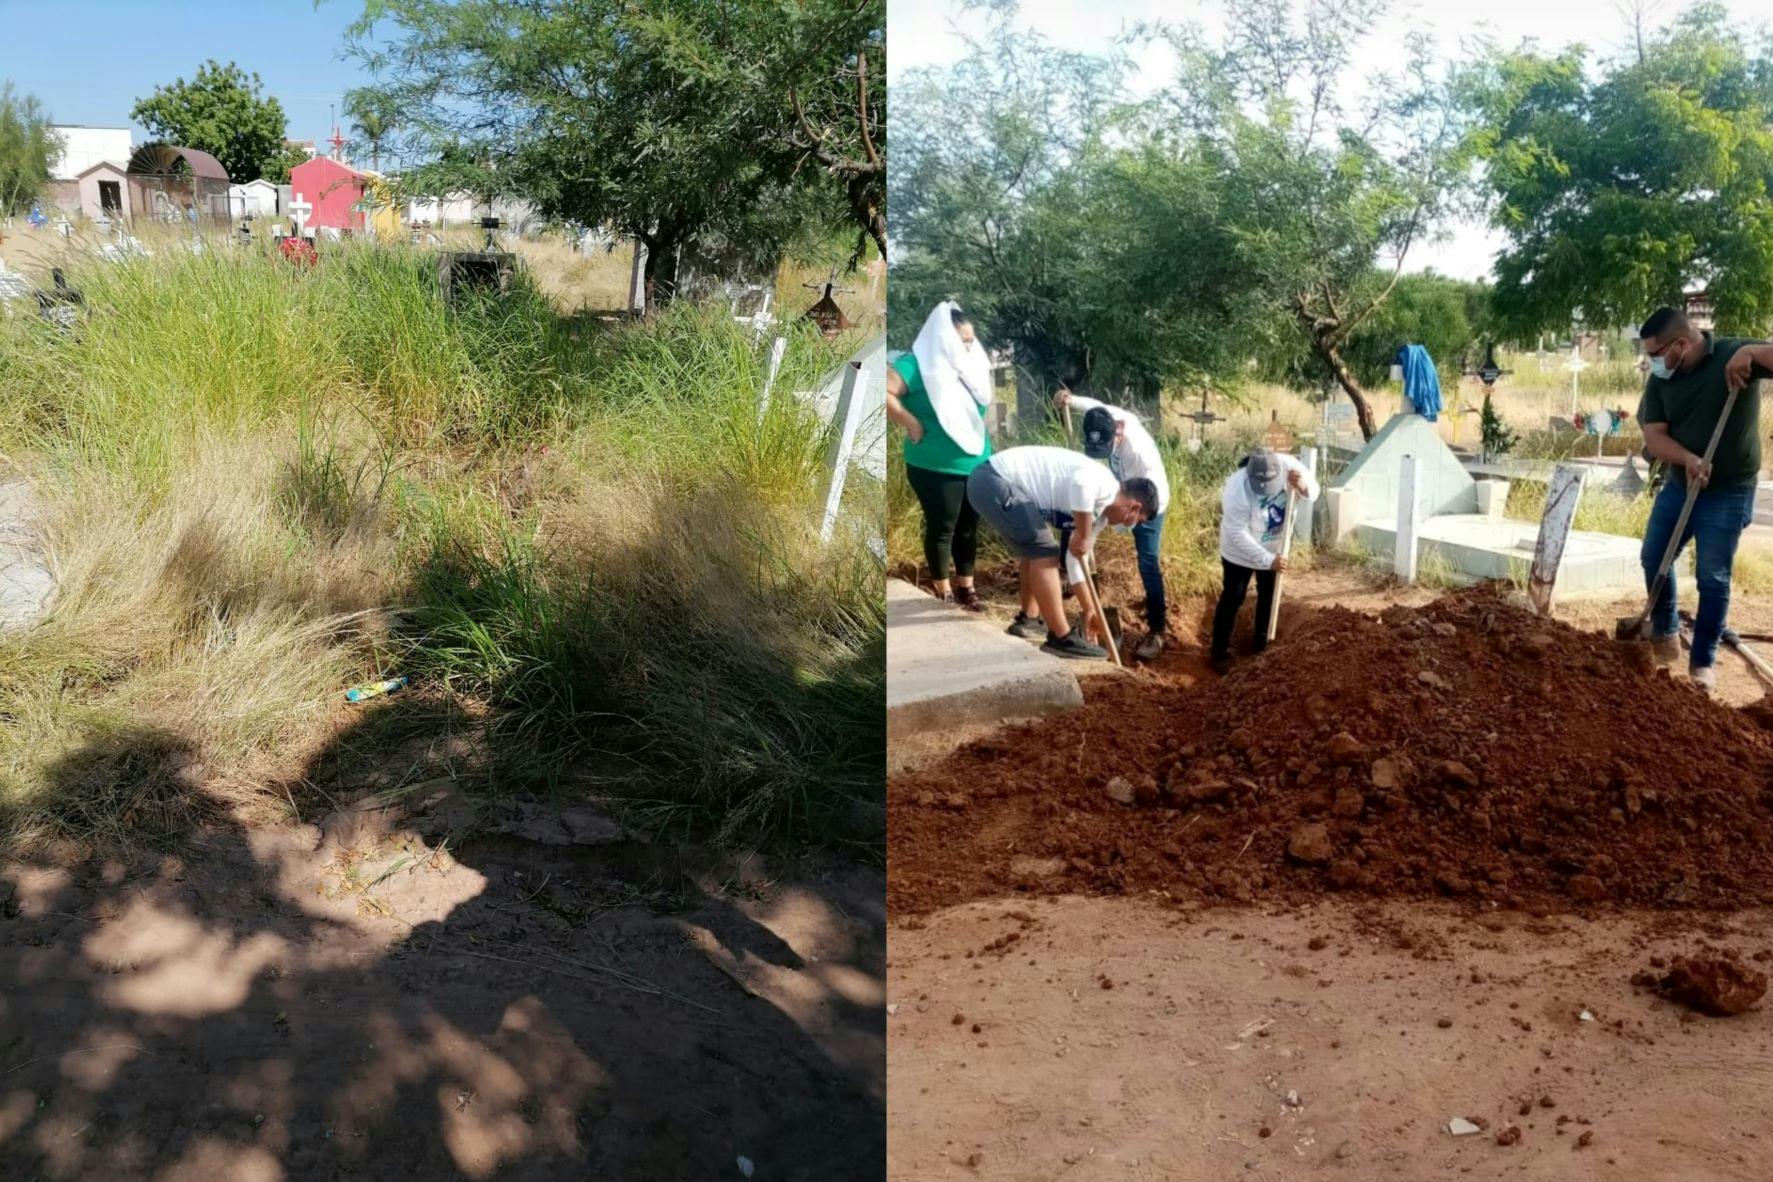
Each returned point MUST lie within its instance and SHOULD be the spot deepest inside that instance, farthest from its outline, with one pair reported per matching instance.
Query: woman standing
(938, 393)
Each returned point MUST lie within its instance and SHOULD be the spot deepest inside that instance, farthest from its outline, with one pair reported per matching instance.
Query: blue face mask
(1659, 366)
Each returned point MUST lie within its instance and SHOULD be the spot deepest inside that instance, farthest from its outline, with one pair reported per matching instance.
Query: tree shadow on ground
(345, 999)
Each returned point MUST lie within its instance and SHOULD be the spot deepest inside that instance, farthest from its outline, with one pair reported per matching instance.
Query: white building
(83, 147)
(259, 198)
(82, 150)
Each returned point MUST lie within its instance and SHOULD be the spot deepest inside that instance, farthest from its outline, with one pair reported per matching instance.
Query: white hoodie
(1137, 454)
(1250, 526)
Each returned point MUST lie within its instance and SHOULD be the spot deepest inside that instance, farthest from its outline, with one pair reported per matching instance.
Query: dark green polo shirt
(1690, 403)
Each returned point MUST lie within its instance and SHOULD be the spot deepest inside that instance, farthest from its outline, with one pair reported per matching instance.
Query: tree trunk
(659, 277)
(1331, 352)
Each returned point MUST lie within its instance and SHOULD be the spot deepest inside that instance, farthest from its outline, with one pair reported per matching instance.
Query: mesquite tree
(738, 127)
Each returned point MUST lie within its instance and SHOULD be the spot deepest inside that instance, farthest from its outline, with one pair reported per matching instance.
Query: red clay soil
(1466, 748)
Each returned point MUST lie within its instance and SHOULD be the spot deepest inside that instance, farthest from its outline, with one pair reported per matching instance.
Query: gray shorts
(1024, 525)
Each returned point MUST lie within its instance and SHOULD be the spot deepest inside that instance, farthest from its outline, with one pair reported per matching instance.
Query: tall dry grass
(263, 485)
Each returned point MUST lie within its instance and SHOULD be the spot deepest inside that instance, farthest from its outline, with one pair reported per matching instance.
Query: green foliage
(672, 121)
(1621, 183)
(220, 112)
(27, 149)
(1443, 315)
(1498, 439)
(276, 169)
(1236, 213)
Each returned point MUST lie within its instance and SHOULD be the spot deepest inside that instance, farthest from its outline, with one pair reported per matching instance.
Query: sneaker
(1704, 676)
(1221, 663)
(1666, 649)
(968, 599)
(1027, 628)
(1074, 646)
(1151, 648)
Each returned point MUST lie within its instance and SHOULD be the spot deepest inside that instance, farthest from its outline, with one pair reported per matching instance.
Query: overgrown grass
(263, 485)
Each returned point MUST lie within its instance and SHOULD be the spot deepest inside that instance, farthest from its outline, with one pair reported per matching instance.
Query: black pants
(950, 523)
(1237, 585)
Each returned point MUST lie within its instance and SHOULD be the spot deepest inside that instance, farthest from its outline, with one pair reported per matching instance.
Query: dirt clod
(1716, 984)
(1508, 1135)
(1310, 843)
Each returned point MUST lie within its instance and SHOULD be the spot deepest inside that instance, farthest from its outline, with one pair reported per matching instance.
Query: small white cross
(298, 213)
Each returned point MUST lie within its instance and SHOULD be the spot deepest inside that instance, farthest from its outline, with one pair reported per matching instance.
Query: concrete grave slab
(946, 669)
(25, 582)
(1478, 547)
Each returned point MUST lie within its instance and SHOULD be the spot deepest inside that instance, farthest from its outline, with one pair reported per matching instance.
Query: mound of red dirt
(1467, 749)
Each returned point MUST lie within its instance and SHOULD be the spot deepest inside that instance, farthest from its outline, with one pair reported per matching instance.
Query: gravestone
(1201, 418)
(26, 584)
(61, 304)
(826, 314)
(463, 271)
(1277, 437)
(1555, 526)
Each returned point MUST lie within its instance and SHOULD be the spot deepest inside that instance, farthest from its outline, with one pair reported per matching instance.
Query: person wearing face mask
(1117, 438)
(937, 394)
(1692, 374)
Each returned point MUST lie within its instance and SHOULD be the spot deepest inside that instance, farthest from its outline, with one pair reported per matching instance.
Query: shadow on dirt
(347, 999)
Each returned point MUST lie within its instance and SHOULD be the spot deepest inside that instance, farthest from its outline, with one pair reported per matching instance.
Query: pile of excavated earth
(1465, 749)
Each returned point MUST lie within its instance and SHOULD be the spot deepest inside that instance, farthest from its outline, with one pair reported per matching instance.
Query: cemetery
(441, 631)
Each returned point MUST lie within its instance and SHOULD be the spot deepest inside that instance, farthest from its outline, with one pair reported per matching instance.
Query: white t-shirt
(1060, 480)
(1250, 526)
(1137, 454)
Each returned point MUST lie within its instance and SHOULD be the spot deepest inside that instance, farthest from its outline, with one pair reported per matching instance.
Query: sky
(932, 32)
(88, 61)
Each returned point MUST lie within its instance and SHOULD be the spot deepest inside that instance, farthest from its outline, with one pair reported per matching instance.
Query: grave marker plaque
(1554, 532)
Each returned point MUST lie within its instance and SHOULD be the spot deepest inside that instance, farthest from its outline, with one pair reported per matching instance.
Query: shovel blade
(1632, 628)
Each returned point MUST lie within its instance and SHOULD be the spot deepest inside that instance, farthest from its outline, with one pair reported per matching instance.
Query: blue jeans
(1719, 517)
(1148, 541)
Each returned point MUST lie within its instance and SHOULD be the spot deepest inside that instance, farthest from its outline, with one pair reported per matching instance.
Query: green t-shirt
(935, 452)
(1691, 402)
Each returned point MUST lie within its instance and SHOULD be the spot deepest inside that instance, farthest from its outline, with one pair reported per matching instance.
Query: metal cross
(1202, 417)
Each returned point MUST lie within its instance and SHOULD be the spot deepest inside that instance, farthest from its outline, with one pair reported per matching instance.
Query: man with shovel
(1016, 492)
(1252, 529)
(1120, 440)
(1694, 378)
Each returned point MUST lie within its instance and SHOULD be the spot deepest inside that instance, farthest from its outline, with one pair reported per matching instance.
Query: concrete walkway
(946, 668)
(25, 582)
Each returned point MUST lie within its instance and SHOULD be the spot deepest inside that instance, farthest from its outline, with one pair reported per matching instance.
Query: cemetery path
(378, 994)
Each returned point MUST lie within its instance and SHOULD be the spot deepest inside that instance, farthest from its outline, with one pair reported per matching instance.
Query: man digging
(1692, 374)
(1017, 491)
(1117, 438)
(1253, 509)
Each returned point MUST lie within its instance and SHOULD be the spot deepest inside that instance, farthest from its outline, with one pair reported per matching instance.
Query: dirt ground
(366, 996)
(1014, 1061)
(1010, 1057)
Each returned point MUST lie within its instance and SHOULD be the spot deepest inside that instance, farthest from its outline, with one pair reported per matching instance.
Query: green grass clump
(263, 484)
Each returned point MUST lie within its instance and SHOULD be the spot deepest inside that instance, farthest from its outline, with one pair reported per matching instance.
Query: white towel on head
(956, 376)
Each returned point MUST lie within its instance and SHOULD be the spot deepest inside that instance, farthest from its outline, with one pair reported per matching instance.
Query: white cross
(298, 213)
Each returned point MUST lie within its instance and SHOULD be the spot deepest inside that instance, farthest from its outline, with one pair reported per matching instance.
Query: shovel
(1111, 621)
(1286, 549)
(1734, 639)
(1638, 627)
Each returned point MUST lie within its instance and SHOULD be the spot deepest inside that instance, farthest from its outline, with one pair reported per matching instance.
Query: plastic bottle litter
(374, 689)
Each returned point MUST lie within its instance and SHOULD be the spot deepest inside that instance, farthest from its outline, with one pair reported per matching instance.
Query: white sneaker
(1704, 676)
